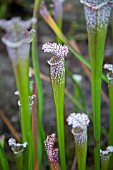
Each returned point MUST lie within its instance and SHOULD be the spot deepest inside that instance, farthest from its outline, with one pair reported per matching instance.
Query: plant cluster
(29, 151)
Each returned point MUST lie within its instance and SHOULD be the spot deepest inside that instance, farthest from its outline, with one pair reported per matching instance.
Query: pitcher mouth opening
(27, 38)
(78, 131)
(55, 61)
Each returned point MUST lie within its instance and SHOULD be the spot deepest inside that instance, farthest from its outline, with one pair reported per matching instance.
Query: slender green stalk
(59, 23)
(3, 8)
(22, 80)
(77, 97)
(81, 155)
(3, 159)
(112, 26)
(58, 14)
(34, 123)
(2, 141)
(77, 103)
(68, 72)
(58, 93)
(111, 162)
(58, 85)
(40, 131)
(21, 73)
(110, 88)
(19, 162)
(96, 52)
(104, 164)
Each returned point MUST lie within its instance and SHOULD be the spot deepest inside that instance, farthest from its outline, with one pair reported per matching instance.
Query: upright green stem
(79, 90)
(110, 88)
(58, 93)
(104, 164)
(3, 159)
(57, 74)
(58, 14)
(96, 52)
(3, 8)
(112, 27)
(59, 23)
(81, 156)
(19, 161)
(22, 81)
(36, 66)
(41, 135)
(21, 70)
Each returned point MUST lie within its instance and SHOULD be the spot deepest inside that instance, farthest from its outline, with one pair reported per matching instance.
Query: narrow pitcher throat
(80, 135)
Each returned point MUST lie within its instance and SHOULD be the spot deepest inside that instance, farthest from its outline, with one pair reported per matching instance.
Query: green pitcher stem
(58, 92)
(19, 161)
(3, 159)
(80, 137)
(21, 71)
(59, 23)
(57, 75)
(22, 81)
(96, 52)
(40, 130)
(81, 153)
(58, 16)
(110, 89)
(37, 72)
(104, 164)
